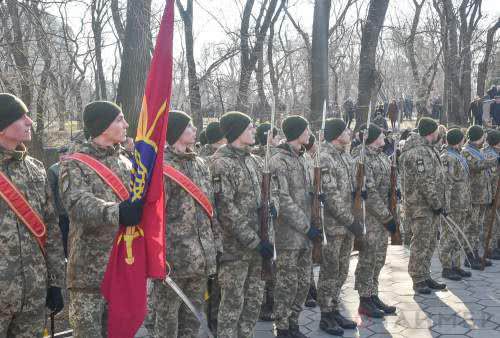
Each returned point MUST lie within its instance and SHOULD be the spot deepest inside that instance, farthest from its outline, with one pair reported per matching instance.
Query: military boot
(343, 321)
(431, 283)
(330, 325)
(451, 274)
(494, 254)
(382, 306)
(462, 273)
(487, 262)
(294, 332)
(472, 262)
(282, 333)
(422, 288)
(367, 308)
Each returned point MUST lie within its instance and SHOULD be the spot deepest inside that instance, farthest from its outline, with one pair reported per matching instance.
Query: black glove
(130, 212)
(391, 226)
(356, 228)
(272, 211)
(54, 300)
(313, 233)
(266, 249)
(398, 194)
(322, 198)
(440, 211)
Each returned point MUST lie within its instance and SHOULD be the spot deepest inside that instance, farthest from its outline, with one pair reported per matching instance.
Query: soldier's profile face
(248, 136)
(304, 137)
(19, 131)
(117, 130)
(188, 136)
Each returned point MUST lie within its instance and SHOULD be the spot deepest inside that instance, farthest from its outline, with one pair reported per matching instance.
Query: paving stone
(450, 329)
(483, 333)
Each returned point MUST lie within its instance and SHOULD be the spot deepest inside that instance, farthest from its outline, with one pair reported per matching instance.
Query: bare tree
(483, 65)
(98, 10)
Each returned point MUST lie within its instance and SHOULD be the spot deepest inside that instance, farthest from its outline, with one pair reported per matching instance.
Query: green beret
(293, 127)
(373, 133)
(177, 123)
(213, 133)
(98, 115)
(203, 137)
(493, 137)
(334, 127)
(262, 131)
(474, 133)
(233, 124)
(426, 126)
(454, 136)
(11, 109)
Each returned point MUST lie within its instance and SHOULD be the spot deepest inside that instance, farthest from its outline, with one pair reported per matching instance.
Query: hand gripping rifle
(489, 222)
(393, 197)
(317, 201)
(266, 219)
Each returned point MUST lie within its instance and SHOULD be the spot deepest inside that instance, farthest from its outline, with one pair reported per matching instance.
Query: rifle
(490, 222)
(317, 201)
(265, 210)
(393, 197)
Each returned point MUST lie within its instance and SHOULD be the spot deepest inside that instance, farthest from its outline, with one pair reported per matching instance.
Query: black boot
(462, 273)
(294, 332)
(344, 323)
(487, 262)
(382, 306)
(311, 296)
(282, 333)
(494, 254)
(266, 313)
(472, 262)
(367, 308)
(451, 274)
(432, 284)
(422, 288)
(330, 325)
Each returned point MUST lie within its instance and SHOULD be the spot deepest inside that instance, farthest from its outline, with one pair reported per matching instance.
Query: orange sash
(21, 207)
(190, 187)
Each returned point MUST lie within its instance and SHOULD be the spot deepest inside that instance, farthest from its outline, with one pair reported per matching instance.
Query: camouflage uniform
(207, 150)
(481, 191)
(458, 186)
(338, 186)
(92, 208)
(237, 179)
(25, 273)
(491, 153)
(373, 252)
(191, 249)
(423, 191)
(293, 265)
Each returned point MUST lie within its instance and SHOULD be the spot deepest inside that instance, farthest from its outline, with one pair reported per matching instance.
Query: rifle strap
(21, 207)
(190, 187)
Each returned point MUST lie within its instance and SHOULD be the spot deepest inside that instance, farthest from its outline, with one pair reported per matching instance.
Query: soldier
(338, 188)
(424, 201)
(294, 232)
(492, 151)
(31, 255)
(481, 191)
(379, 221)
(95, 213)
(191, 243)
(237, 176)
(215, 139)
(458, 186)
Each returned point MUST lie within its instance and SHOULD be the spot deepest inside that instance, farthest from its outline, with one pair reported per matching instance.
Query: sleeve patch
(217, 184)
(326, 178)
(420, 166)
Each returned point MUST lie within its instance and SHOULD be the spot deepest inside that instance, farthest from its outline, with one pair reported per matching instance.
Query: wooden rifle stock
(316, 217)
(265, 217)
(393, 204)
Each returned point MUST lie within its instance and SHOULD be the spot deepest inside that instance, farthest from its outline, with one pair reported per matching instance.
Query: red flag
(139, 252)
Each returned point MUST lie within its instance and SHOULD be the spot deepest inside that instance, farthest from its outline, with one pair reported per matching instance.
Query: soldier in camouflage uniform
(190, 240)
(424, 201)
(95, 213)
(215, 139)
(379, 221)
(237, 176)
(294, 232)
(458, 186)
(492, 151)
(481, 190)
(338, 186)
(29, 280)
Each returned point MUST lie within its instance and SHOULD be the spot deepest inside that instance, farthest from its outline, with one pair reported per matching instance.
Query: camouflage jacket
(92, 208)
(457, 180)
(480, 174)
(207, 150)
(423, 181)
(191, 242)
(290, 170)
(338, 186)
(491, 153)
(237, 177)
(21, 261)
(378, 186)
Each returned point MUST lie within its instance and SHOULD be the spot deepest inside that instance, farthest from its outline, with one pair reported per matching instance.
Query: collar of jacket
(291, 151)
(373, 151)
(472, 146)
(229, 150)
(97, 151)
(172, 155)
(13, 155)
(333, 148)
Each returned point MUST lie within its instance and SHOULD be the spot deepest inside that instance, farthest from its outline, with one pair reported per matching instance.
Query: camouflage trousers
(172, 316)
(293, 271)
(406, 225)
(22, 312)
(241, 297)
(475, 226)
(371, 260)
(334, 269)
(423, 244)
(449, 247)
(88, 314)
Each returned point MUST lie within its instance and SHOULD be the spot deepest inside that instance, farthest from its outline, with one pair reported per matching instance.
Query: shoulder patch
(326, 178)
(217, 184)
(420, 166)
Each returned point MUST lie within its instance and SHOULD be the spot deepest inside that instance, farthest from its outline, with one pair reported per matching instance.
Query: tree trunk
(136, 60)
(97, 10)
(369, 41)
(483, 65)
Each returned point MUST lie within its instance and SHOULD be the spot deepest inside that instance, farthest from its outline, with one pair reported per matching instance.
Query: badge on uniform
(326, 178)
(217, 184)
(420, 166)
(276, 181)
